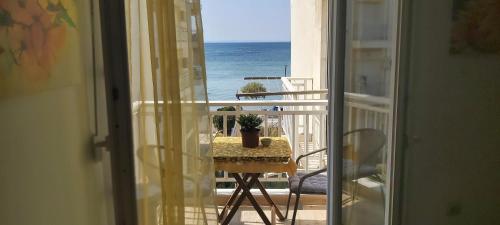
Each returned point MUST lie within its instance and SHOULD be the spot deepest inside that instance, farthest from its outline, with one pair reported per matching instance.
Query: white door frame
(120, 139)
(336, 52)
(336, 69)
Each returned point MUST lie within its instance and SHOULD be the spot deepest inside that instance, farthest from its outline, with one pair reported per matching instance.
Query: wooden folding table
(231, 156)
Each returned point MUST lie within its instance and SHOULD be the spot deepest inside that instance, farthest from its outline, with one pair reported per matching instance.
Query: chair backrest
(365, 145)
(149, 158)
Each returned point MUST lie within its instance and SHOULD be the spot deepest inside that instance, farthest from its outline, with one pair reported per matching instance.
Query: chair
(361, 155)
(149, 157)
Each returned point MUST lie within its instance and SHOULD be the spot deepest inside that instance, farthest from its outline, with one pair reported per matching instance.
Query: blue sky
(246, 20)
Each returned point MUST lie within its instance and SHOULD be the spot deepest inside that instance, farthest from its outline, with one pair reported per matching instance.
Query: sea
(228, 64)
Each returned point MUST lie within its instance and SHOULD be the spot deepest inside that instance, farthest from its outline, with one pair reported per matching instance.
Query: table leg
(273, 216)
(246, 189)
(232, 198)
(270, 201)
(253, 179)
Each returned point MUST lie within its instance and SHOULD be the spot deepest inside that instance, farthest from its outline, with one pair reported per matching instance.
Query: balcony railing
(299, 117)
(361, 110)
(302, 119)
(290, 118)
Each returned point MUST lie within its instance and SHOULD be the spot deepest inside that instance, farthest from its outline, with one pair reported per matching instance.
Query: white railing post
(224, 125)
(306, 140)
(266, 127)
(280, 125)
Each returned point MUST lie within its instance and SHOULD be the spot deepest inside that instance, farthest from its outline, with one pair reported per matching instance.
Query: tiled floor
(362, 212)
(368, 209)
(310, 215)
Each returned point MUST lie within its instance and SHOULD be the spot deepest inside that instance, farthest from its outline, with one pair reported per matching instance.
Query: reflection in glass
(368, 111)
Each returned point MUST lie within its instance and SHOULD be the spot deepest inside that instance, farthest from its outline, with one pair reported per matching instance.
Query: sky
(246, 20)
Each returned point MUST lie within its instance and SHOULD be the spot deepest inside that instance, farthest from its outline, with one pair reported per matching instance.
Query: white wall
(452, 170)
(48, 175)
(47, 172)
(308, 40)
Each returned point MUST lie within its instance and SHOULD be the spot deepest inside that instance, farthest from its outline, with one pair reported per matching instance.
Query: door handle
(100, 144)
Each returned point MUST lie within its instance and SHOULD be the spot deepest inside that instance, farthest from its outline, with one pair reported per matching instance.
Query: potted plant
(249, 130)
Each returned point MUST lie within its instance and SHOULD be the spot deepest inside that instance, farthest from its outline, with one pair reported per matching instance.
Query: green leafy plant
(254, 87)
(219, 119)
(249, 122)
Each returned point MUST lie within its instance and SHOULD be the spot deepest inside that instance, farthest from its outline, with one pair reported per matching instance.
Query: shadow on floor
(310, 215)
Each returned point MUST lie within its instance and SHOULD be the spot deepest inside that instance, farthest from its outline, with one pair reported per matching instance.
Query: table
(229, 155)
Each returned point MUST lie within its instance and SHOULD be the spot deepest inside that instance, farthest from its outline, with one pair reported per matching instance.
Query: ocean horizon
(240, 41)
(228, 63)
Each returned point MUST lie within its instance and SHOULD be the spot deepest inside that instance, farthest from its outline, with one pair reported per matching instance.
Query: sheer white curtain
(175, 175)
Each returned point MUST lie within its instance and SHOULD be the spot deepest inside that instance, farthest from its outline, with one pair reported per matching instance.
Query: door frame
(337, 12)
(120, 139)
(113, 28)
(400, 139)
(336, 68)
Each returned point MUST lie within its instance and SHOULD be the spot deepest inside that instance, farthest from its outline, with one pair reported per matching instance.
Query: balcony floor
(366, 213)
(366, 210)
(310, 215)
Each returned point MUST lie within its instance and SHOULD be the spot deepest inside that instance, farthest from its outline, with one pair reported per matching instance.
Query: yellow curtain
(175, 176)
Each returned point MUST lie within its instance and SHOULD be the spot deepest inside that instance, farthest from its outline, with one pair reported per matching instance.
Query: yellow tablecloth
(231, 156)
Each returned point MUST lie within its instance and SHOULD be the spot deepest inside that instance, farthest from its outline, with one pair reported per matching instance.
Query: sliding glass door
(363, 110)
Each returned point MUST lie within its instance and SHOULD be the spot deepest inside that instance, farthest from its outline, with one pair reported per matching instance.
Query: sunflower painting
(33, 37)
(476, 26)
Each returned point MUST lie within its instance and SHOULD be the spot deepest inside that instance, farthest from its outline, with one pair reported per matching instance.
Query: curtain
(174, 167)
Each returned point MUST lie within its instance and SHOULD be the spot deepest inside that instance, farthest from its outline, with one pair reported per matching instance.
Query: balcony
(301, 117)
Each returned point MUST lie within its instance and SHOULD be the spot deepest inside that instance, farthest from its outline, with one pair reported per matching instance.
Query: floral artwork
(476, 26)
(33, 34)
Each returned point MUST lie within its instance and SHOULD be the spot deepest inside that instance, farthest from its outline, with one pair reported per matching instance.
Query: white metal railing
(300, 118)
(366, 111)
(361, 111)
(307, 132)
(297, 83)
(278, 123)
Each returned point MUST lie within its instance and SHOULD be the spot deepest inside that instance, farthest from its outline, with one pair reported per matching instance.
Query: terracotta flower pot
(250, 139)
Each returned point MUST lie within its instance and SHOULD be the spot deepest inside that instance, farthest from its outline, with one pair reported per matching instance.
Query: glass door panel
(367, 111)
